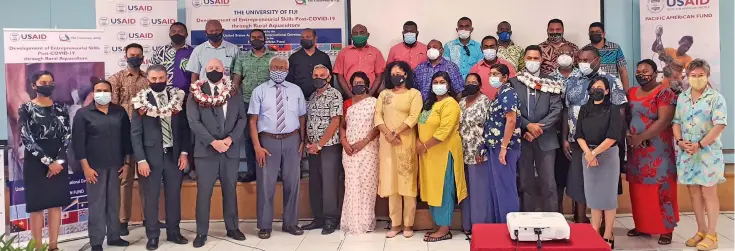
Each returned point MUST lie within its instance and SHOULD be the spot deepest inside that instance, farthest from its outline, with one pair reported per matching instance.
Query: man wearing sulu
(161, 142)
(217, 118)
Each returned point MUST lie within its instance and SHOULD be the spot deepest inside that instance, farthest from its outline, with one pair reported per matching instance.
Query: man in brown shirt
(125, 85)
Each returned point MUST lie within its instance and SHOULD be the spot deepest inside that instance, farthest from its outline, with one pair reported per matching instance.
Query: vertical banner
(675, 32)
(133, 21)
(282, 21)
(73, 56)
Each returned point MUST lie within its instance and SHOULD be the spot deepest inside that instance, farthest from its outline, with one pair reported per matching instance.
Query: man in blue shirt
(463, 51)
(277, 120)
(214, 47)
(434, 64)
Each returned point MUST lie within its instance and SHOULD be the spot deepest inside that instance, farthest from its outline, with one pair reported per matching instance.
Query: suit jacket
(147, 137)
(205, 125)
(547, 111)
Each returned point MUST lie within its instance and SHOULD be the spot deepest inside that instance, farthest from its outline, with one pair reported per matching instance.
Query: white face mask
(102, 98)
(433, 54)
(564, 60)
(463, 34)
(440, 89)
(490, 54)
(495, 82)
(585, 68)
(533, 66)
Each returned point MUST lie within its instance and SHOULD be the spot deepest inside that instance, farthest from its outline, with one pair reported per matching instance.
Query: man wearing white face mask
(463, 51)
(434, 64)
(490, 57)
(410, 50)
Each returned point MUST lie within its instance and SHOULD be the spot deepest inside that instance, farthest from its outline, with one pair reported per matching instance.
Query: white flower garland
(174, 106)
(227, 90)
(541, 84)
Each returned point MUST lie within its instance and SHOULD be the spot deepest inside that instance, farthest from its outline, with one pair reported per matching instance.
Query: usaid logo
(122, 36)
(134, 8)
(114, 49)
(122, 62)
(15, 37)
(655, 6)
(105, 21)
(200, 3)
(145, 22)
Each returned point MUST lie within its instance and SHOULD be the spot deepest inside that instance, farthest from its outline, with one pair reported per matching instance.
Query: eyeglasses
(466, 50)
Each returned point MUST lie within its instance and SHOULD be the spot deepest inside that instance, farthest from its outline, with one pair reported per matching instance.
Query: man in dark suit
(218, 124)
(161, 142)
(540, 112)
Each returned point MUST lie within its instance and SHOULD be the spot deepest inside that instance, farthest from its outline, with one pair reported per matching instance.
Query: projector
(537, 226)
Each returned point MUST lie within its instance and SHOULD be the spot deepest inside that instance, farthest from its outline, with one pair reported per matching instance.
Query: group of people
(451, 124)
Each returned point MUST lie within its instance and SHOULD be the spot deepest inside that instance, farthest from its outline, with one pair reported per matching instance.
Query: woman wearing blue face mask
(101, 136)
(439, 146)
(502, 134)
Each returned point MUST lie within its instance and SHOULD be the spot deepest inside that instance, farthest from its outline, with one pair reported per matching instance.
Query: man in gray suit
(161, 143)
(540, 113)
(218, 127)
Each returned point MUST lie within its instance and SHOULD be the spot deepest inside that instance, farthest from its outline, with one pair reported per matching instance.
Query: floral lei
(206, 100)
(541, 84)
(174, 106)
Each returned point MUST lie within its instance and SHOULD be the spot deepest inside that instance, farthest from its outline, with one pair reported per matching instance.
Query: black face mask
(158, 87)
(470, 90)
(595, 38)
(643, 79)
(135, 62)
(45, 90)
(214, 76)
(319, 83)
(307, 44)
(397, 80)
(215, 38)
(178, 39)
(257, 44)
(597, 94)
(359, 89)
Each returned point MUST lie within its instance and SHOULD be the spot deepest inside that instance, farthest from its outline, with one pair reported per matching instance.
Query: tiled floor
(314, 241)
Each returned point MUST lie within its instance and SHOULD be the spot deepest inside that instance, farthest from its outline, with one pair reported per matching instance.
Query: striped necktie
(280, 107)
(165, 121)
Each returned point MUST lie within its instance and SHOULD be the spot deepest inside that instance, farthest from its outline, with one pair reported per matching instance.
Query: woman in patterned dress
(475, 108)
(700, 118)
(357, 135)
(651, 171)
(45, 132)
(396, 113)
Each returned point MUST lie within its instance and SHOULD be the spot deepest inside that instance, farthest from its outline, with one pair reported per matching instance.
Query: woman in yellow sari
(439, 147)
(396, 113)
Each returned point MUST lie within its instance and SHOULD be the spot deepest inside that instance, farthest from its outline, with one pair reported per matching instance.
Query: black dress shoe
(236, 235)
(124, 229)
(177, 238)
(152, 244)
(118, 243)
(328, 229)
(294, 230)
(96, 247)
(247, 177)
(199, 241)
(264, 234)
(313, 225)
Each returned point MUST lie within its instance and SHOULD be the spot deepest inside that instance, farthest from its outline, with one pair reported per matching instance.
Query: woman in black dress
(45, 132)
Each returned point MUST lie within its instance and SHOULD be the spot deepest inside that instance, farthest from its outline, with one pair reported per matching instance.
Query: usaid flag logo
(104, 21)
(14, 37)
(146, 49)
(122, 62)
(121, 8)
(196, 3)
(122, 36)
(655, 6)
(107, 49)
(145, 22)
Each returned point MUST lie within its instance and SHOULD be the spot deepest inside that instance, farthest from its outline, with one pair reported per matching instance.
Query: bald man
(214, 47)
(360, 56)
(218, 129)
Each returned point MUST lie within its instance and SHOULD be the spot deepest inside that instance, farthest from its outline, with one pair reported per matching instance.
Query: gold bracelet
(504, 147)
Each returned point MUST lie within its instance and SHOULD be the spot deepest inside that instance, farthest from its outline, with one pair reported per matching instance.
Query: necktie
(219, 110)
(281, 119)
(165, 121)
(531, 103)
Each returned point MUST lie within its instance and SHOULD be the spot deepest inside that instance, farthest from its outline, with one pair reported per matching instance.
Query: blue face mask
(495, 82)
(504, 36)
(409, 38)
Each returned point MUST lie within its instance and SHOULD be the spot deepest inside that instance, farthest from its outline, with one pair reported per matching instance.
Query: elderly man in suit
(217, 118)
(540, 112)
(161, 142)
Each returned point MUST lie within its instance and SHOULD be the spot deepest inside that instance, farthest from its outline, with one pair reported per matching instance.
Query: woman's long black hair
(432, 96)
(405, 67)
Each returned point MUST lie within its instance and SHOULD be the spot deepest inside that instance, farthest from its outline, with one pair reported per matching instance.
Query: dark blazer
(547, 111)
(205, 125)
(147, 137)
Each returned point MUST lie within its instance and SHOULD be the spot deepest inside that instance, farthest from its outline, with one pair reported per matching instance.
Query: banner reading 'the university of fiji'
(282, 20)
(73, 56)
(133, 21)
(675, 32)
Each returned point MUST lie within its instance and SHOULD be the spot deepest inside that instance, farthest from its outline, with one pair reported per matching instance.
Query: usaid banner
(674, 32)
(282, 21)
(130, 21)
(73, 56)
